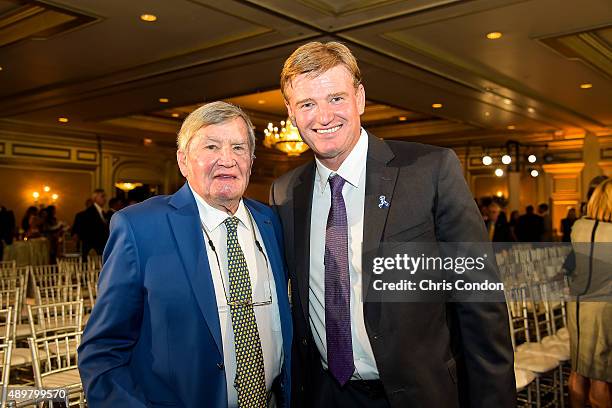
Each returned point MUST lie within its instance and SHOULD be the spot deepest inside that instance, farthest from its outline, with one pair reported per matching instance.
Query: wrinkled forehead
(231, 132)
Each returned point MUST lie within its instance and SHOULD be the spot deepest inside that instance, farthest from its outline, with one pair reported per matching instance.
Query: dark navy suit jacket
(154, 338)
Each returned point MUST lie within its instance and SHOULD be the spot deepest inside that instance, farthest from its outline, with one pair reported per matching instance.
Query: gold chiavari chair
(6, 347)
(55, 363)
(48, 275)
(57, 294)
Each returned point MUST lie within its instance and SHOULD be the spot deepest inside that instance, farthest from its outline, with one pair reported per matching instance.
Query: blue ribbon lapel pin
(382, 202)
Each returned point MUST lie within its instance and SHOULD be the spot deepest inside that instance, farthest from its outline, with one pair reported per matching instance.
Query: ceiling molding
(588, 47)
(34, 20)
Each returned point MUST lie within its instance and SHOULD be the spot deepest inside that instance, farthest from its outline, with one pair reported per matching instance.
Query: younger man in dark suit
(359, 192)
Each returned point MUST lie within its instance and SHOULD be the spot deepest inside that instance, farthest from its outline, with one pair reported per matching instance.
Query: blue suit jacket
(153, 338)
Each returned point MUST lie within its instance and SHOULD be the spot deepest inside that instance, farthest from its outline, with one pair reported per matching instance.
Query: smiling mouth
(225, 177)
(330, 130)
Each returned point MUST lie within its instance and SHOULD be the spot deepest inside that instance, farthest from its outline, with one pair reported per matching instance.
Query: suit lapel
(185, 224)
(380, 186)
(302, 209)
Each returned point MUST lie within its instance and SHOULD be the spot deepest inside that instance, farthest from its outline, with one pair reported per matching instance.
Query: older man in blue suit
(192, 306)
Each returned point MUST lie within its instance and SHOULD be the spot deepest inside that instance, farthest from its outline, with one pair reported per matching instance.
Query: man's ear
(289, 111)
(181, 159)
(361, 99)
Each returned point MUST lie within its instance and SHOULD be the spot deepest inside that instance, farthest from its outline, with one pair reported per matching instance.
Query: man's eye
(307, 105)
(211, 147)
(337, 99)
(238, 147)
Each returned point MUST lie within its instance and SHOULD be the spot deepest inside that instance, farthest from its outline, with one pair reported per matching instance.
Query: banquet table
(34, 251)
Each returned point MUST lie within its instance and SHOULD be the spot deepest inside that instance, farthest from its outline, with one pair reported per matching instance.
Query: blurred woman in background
(590, 316)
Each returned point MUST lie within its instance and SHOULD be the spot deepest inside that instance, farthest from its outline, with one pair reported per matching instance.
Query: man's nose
(226, 156)
(326, 115)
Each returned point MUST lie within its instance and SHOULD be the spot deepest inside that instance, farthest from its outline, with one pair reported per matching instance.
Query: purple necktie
(337, 287)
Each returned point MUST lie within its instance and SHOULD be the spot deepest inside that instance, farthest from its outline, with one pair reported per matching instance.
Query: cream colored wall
(73, 165)
(18, 184)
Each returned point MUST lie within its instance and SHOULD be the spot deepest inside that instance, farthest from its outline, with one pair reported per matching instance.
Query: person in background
(52, 230)
(567, 223)
(547, 230)
(29, 218)
(497, 224)
(93, 229)
(530, 226)
(36, 222)
(77, 226)
(514, 216)
(7, 229)
(114, 204)
(590, 316)
(597, 180)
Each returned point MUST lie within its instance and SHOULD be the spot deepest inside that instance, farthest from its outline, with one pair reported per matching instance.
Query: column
(514, 191)
(591, 157)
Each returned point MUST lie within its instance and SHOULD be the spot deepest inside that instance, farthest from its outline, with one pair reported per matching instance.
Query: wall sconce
(45, 198)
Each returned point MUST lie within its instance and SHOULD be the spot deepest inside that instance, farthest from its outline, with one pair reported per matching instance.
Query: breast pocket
(423, 231)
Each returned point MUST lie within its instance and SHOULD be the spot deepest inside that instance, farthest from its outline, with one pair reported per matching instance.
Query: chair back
(50, 319)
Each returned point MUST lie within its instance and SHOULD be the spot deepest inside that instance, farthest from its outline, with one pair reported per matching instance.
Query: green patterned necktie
(250, 374)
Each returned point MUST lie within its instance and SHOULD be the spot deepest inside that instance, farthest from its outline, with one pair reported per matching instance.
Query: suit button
(220, 366)
(304, 342)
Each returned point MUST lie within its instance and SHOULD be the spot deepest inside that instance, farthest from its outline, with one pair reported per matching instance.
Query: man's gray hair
(212, 113)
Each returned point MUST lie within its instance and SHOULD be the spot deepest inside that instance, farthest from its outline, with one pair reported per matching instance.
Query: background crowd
(88, 232)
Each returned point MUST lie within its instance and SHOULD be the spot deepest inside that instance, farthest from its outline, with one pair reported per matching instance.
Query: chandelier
(126, 186)
(288, 140)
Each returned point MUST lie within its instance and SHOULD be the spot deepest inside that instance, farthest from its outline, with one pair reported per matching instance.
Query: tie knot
(336, 183)
(231, 223)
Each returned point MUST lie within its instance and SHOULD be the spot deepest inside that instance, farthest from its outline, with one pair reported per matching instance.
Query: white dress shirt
(353, 170)
(262, 284)
(100, 212)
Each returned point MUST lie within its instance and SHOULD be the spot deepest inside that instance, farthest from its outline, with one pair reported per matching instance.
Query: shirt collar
(212, 217)
(351, 167)
(98, 207)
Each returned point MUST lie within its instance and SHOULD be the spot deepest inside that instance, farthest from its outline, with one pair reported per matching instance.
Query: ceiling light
(511, 127)
(126, 186)
(531, 158)
(402, 118)
(499, 172)
(487, 113)
(534, 173)
(175, 115)
(46, 189)
(506, 159)
(507, 101)
(147, 141)
(0, 67)
(559, 133)
(149, 18)
(494, 35)
(36, 194)
(164, 100)
(586, 86)
(499, 194)
(487, 160)
(261, 101)
(62, 120)
(530, 110)
(436, 105)
(54, 197)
